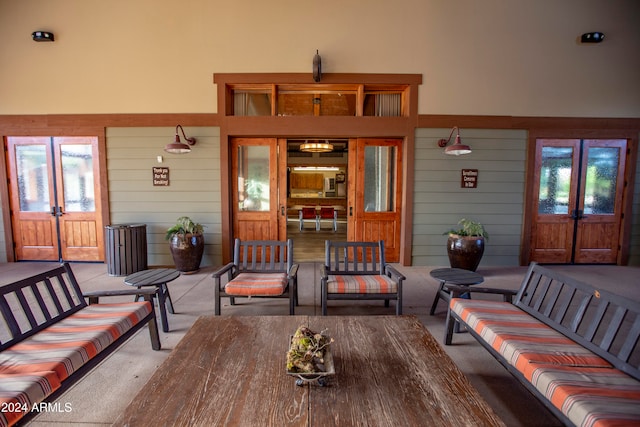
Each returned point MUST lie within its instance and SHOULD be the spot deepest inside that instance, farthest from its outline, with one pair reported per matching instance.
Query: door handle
(577, 214)
(53, 211)
(350, 210)
(282, 210)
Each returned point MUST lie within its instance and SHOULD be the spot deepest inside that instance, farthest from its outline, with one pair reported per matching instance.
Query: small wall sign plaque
(160, 176)
(469, 178)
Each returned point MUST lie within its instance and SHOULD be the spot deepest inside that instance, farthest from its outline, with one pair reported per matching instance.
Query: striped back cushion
(361, 284)
(520, 338)
(70, 343)
(257, 284)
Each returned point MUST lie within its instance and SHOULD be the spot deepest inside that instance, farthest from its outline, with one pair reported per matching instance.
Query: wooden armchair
(308, 214)
(260, 268)
(358, 271)
(330, 214)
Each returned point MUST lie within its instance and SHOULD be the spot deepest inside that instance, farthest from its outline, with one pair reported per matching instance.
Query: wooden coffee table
(230, 370)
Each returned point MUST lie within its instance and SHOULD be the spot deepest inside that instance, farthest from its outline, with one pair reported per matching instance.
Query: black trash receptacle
(126, 247)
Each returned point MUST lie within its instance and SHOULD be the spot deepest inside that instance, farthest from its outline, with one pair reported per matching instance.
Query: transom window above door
(317, 100)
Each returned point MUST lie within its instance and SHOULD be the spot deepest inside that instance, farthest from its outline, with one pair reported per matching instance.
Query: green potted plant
(186, 243)
(465, 245)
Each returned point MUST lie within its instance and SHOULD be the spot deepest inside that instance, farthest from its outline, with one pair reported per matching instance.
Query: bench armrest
(94, 296)
(293, 272)
(225, 269)
(393, 273)
(324, 271)
(458, 290)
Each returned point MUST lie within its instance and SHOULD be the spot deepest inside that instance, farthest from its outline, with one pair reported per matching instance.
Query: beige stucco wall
(491, 57)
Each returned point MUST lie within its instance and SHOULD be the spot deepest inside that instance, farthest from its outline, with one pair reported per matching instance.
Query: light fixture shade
(178, 147)
(458, 148)
(316, 147)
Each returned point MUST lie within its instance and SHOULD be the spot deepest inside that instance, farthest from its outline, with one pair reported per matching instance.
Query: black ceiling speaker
(595, 37)
(42, 36)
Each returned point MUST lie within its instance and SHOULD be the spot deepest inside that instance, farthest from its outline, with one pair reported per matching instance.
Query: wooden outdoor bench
(50, 336)
(573, 346)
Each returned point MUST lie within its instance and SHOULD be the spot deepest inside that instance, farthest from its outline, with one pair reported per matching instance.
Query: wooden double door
(577, 214)
(374, 190)
(55, 198)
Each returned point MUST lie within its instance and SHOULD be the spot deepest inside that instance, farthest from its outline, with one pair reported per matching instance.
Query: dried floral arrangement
(307, 351)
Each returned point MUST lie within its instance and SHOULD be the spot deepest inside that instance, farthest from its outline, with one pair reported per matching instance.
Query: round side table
(454, 276)
(158, 277)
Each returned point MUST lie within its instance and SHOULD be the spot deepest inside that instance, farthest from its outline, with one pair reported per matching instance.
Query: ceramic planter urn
(187, 250)
(465, 251)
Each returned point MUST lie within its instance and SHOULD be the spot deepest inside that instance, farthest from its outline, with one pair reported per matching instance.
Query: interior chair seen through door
(308, 214)
(328, 213)
(260, 268)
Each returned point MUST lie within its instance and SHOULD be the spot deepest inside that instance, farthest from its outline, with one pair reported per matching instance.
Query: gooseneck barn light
(458, 148)
(179, 147)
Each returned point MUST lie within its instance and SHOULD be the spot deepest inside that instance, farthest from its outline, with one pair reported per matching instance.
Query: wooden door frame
(36, 131)
(324, 126)
(627, 197)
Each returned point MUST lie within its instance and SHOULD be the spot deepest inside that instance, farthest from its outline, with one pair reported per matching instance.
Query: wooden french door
(579, 187)
(258, 166)
(55, 198)
(375, 201)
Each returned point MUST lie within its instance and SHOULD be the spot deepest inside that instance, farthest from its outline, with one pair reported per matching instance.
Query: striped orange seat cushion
(590, 397)
(18, 393)
(361, 284)
(70, 343)
(257, 284)
(520, 338)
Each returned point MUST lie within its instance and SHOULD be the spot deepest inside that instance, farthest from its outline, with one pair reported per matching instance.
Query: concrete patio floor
(101, 396)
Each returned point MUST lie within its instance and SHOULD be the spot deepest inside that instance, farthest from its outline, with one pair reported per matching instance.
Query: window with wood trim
(318, 100)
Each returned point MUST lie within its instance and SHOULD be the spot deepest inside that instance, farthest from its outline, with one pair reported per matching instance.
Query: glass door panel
(379, 179)
(77, 178)
(601, 180)
(555, 180)
(33, 178)
(253, 178)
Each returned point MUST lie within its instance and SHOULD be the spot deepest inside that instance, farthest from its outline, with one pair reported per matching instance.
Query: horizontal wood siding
(497, 202)
(194, 188)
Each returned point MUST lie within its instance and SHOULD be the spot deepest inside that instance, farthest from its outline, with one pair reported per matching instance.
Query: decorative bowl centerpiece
(309, 357)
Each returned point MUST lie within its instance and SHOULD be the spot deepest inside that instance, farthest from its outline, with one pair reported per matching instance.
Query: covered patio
(101, 396)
